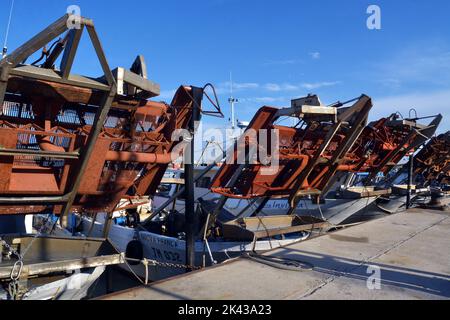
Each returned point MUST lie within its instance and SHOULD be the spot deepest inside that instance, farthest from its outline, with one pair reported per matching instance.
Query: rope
(134, 273)
(39, 233)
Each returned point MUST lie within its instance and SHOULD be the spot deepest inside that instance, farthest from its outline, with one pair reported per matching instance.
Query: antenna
(232, 102)
(5, 45)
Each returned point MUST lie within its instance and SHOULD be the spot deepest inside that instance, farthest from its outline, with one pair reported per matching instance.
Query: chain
(156, 263)
(18, 265)
(153, 263)
(16, 271)
(11, 250)
(174, 265)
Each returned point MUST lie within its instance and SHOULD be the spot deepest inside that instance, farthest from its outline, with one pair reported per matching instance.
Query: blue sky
(277, 50)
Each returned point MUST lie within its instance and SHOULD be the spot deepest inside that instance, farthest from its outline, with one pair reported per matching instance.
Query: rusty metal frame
(361, 109)
(348, 122)
(344, 145)
(10, 66)
(432, 161)
(418, 135)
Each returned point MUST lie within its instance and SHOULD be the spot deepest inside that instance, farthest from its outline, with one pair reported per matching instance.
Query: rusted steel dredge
(307, 152)
(69, 142)
(433, 161)
(327, 140)
(384, 143)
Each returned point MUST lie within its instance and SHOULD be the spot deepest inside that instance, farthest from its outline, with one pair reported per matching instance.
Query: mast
(5, 45)
(232, 102)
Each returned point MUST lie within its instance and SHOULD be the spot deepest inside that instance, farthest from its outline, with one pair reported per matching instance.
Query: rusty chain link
(156, 263)
(16, 271)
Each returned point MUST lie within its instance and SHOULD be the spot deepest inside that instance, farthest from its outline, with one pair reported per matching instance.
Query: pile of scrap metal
(70, 143)
(327, 143)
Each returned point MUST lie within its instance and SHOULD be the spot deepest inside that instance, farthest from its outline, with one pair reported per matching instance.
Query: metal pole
(410, 181)
(180, 192)
(5, 45)
(191, 216)
(232, 102)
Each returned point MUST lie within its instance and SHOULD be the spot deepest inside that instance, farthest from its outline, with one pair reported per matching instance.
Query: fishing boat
(163, 247)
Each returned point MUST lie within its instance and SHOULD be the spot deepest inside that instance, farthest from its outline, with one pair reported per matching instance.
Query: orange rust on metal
(306, 149)
(136, 139)
(311, 154)
(433, 161)
(70, 142)
(141, 157)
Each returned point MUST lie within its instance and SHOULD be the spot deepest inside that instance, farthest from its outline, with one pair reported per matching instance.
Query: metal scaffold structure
(72, 143)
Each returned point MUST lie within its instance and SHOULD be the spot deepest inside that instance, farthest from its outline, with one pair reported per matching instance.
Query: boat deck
(411, 249)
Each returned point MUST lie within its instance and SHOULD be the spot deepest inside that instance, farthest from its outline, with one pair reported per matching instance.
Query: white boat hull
(173, 251)
(334, 211)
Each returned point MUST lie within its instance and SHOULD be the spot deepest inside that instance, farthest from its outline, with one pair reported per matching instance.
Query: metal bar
(223, 199)
(55, 53)
(286, 230)
(410, 180)
(70, 51)
(427, 132)
(107, 225)
(63, 266)
(99, 120)
(190, 212)
(261, 206)
(356, 130)
(2, 91)
(4, 76)
(125, 76)
(248, 206)
(101, 56)
(180, 192)
(25, 152)
(37, 42)
(33, 72)
(293, 199)
(32, 200)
